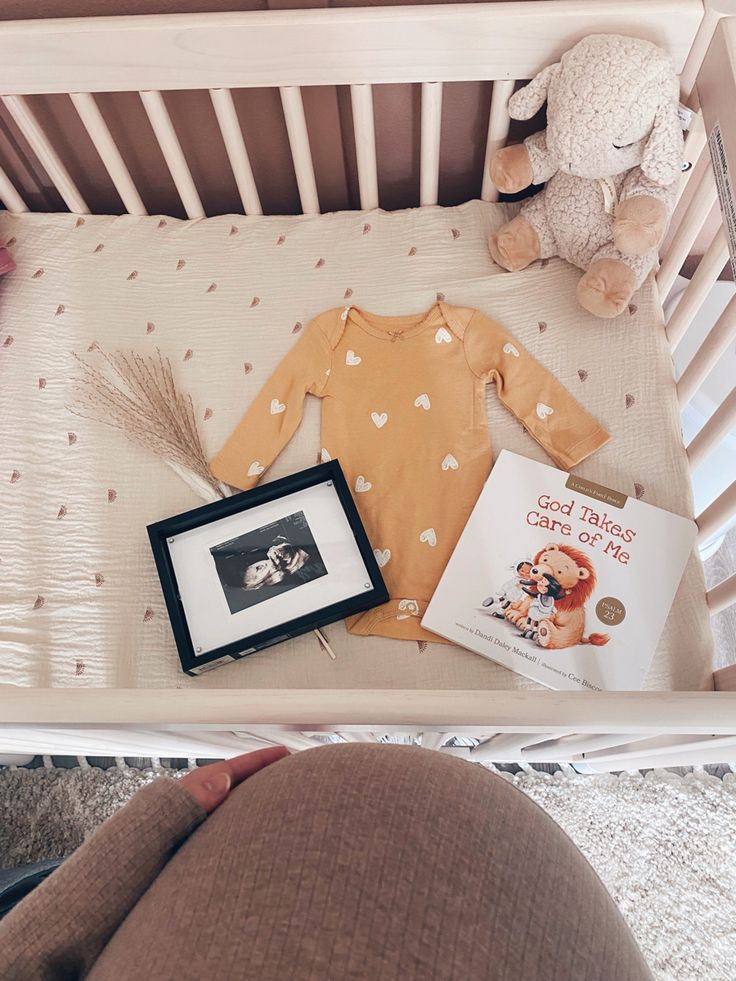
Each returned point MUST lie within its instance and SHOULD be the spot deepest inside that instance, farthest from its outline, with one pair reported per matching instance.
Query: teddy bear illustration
(611, 156)
(573, 571)
(512, 591)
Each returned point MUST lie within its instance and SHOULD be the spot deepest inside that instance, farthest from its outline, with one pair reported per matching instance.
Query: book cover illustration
(553, 577)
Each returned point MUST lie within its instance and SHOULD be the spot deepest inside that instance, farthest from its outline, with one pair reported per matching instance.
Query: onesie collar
(396, 328)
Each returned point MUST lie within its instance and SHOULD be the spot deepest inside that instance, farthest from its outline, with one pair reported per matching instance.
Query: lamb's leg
(511, 168)
(514, 245)
(611, 280)
(640, 224)
(525, 238)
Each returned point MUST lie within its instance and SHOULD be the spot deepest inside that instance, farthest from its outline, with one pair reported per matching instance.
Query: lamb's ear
(662, 158)
(524, 103)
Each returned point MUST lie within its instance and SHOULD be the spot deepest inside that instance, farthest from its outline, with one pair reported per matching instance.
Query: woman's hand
(210, 785)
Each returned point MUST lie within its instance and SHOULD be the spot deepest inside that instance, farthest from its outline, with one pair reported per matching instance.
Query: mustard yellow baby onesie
(403, 410)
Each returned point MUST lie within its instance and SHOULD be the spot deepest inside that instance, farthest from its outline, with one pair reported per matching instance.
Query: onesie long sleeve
(403, 410)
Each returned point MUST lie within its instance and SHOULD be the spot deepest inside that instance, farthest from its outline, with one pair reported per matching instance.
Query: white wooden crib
(502, 42)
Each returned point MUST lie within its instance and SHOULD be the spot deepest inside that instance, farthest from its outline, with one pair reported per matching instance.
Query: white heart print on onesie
(429, 536)
(509, 348)
(544, 410)
(382, 555)
(422, 401)
(361, 484)
(443, 336)
(277, 407)
(450, 463)
(352, 358)
(255, 469)
(379, 419)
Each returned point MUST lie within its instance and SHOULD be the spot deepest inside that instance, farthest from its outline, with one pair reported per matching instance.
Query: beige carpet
(663, 845)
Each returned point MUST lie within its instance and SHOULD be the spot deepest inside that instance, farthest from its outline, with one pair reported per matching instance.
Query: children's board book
(565, 581)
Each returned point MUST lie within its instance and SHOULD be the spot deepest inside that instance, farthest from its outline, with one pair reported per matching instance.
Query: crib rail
(604, 731)
(288, 49)
(715, 90)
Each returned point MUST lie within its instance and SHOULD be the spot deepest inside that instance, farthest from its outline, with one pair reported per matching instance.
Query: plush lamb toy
(611, 156)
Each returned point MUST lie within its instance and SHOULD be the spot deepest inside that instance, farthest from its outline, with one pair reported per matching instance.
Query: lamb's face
(601, 143)
(602, 104)
(612, 104)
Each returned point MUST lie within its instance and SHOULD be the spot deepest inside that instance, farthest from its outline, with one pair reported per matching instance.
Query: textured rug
(663, 845)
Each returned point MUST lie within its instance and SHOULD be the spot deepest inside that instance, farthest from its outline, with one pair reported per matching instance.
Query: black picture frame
(160, 532)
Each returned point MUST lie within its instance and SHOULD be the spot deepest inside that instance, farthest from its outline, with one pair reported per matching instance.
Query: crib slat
(722, 595)
(699, 756)
(694, 146)
(19, 108)
(429, 179)
(708, 438)
(301, 154)
(433, 740)
(716, 343)
(237, 154)
(724, 679)
(361, 97)
(708, 271)
(498, 129)
(510, 746)
(654, 751)
(359, 737)
(698, 48)
(9, 196)
(574, 747)
(717, 514)
(687, 231)
(94, 123)
(168, 141)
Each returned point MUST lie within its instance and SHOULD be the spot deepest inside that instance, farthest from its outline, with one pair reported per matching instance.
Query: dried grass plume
(138, 395)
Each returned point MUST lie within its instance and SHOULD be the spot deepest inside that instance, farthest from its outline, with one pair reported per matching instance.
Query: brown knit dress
(345, 863)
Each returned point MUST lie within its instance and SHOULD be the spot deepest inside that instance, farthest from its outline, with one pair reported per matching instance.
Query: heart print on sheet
(450, 463)
(429, 536)
(277, 407)
(544, 410)
(382, 555)
(379, 419)
(443, 336)
(361, 484)
(422, 401)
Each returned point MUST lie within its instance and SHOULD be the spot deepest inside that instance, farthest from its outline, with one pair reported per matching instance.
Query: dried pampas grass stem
(138, 395)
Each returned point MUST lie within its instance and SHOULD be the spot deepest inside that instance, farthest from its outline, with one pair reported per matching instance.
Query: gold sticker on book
(610, 611)
(614, 499)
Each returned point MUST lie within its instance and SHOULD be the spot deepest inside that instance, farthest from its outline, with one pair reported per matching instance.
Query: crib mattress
(224, 299)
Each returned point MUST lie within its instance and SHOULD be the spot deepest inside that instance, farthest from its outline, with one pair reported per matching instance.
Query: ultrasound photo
(267, 561)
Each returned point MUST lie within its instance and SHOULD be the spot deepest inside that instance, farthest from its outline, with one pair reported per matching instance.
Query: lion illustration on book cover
(556, 588)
